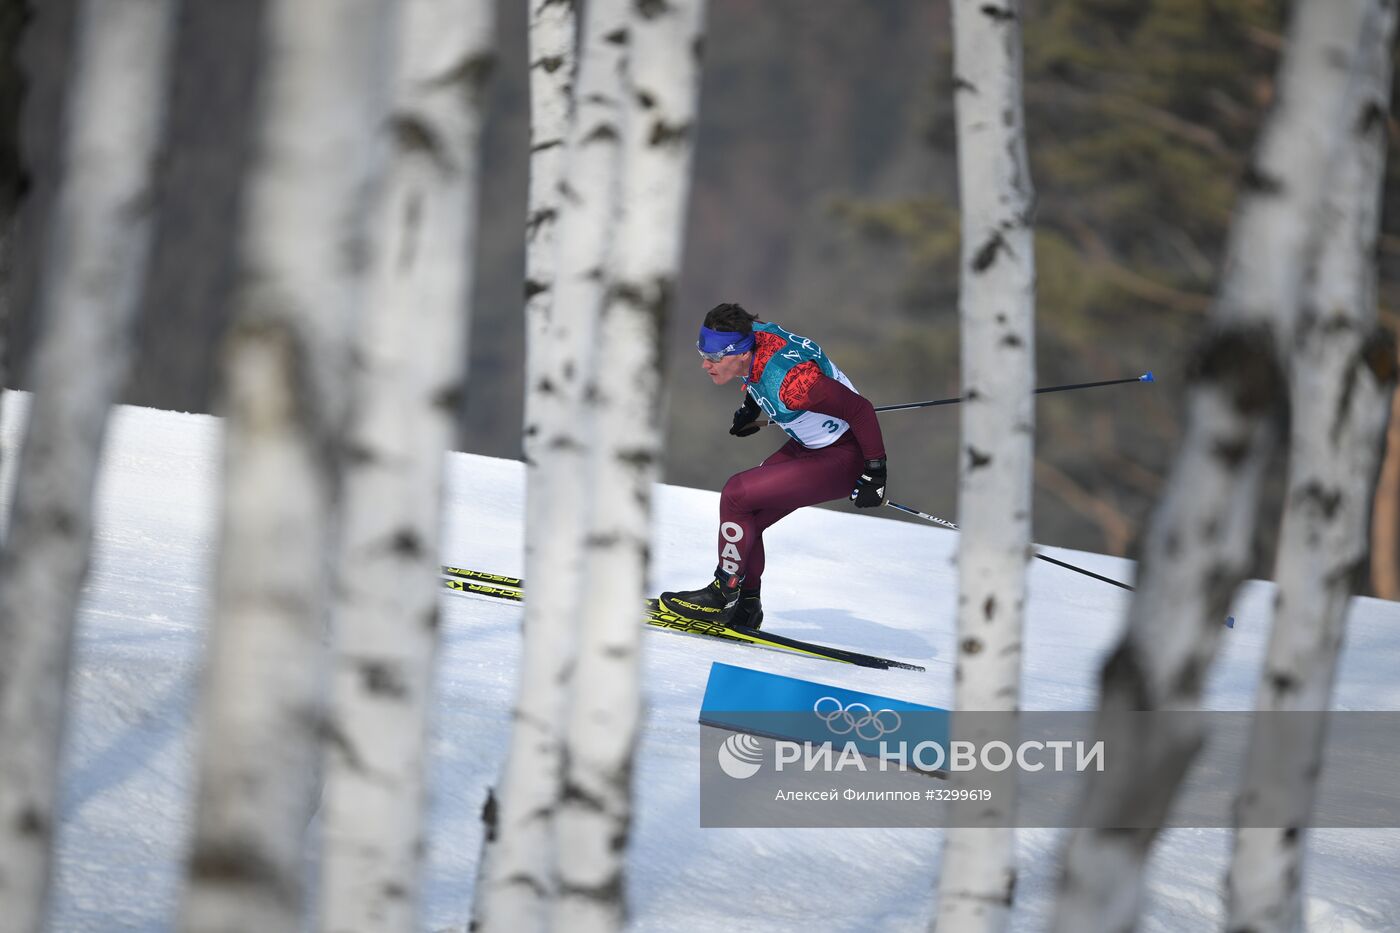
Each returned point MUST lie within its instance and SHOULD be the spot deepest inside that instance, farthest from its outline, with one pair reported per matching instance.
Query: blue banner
(779, 707)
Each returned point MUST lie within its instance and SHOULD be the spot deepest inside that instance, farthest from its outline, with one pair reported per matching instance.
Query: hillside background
(824, 198)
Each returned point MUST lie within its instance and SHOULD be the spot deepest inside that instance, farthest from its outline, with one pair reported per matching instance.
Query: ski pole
(1050, 560)
(1145, 377)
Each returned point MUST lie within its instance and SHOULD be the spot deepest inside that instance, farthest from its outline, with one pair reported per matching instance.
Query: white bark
(1199, 541)
(660, 107)
(518, 861)
(409, 370)
(1341, 380)
(997, 315)
(96, 263)
(285, 380)
(553, 31)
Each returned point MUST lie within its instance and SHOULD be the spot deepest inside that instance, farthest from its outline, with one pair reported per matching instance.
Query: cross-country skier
(835, 450)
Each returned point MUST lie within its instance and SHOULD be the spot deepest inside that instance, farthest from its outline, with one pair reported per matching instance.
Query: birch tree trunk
(408, 376)
(1342, 376)
(517, 879)
(997, 319)
(1200, 538)
(553, 30)
(285, 365)
(96, 263)
(658, 118)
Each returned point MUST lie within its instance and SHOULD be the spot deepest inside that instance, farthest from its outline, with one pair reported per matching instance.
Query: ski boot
(722, 601)
(712, 603)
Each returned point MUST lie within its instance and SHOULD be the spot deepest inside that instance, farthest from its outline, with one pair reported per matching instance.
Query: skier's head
(726, 342)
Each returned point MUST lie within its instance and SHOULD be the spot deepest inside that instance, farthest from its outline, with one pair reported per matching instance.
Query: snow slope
(865, 582)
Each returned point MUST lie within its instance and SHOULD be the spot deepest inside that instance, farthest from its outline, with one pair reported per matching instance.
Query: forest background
(824, 198)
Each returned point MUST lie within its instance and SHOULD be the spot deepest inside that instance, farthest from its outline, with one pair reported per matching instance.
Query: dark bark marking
(1282, 683)
(357, 454)
(971, 645)
(650, 9)
(976, 459)
(31, 822)
(450, 398)
(1327, 500)
(490, 814)
(1123, 673)
(533, 288)
(989, 608)
(616, 37)
(1242, 361)
(1372, 118)
(636, 459)
(603, 132)
(601, 540)
(1231, 452)
(998, 14)
(1189, 679)
(551, 63)
(668, 134)
(987, 253)
(536, 220)
(415, 135)
(470, 75)
(1260, 182)
(406, 543)
(383, 680)
(63, 521)
(242, 863)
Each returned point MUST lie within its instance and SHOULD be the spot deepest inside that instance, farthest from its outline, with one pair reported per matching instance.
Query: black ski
(497, 586)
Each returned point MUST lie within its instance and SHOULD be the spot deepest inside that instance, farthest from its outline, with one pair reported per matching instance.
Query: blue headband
(728, 342)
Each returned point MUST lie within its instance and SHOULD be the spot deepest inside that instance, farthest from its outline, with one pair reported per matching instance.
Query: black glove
(745, 416)
(870, 488)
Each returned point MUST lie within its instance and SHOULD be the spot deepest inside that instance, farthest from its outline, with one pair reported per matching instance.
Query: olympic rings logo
(866, 723)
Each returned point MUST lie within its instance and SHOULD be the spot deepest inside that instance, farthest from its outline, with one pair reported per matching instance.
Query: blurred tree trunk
(1385, 514)
(1199, 542)
(1342, 376)
(14, 14)
(95, 263)
(517, 880)
(658, 115)
(286, 360)
(553, 30)
(408, 374)
(552, 33)
(997, 320)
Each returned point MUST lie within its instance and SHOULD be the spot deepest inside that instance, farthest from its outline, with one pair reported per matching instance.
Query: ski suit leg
(755, 499)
